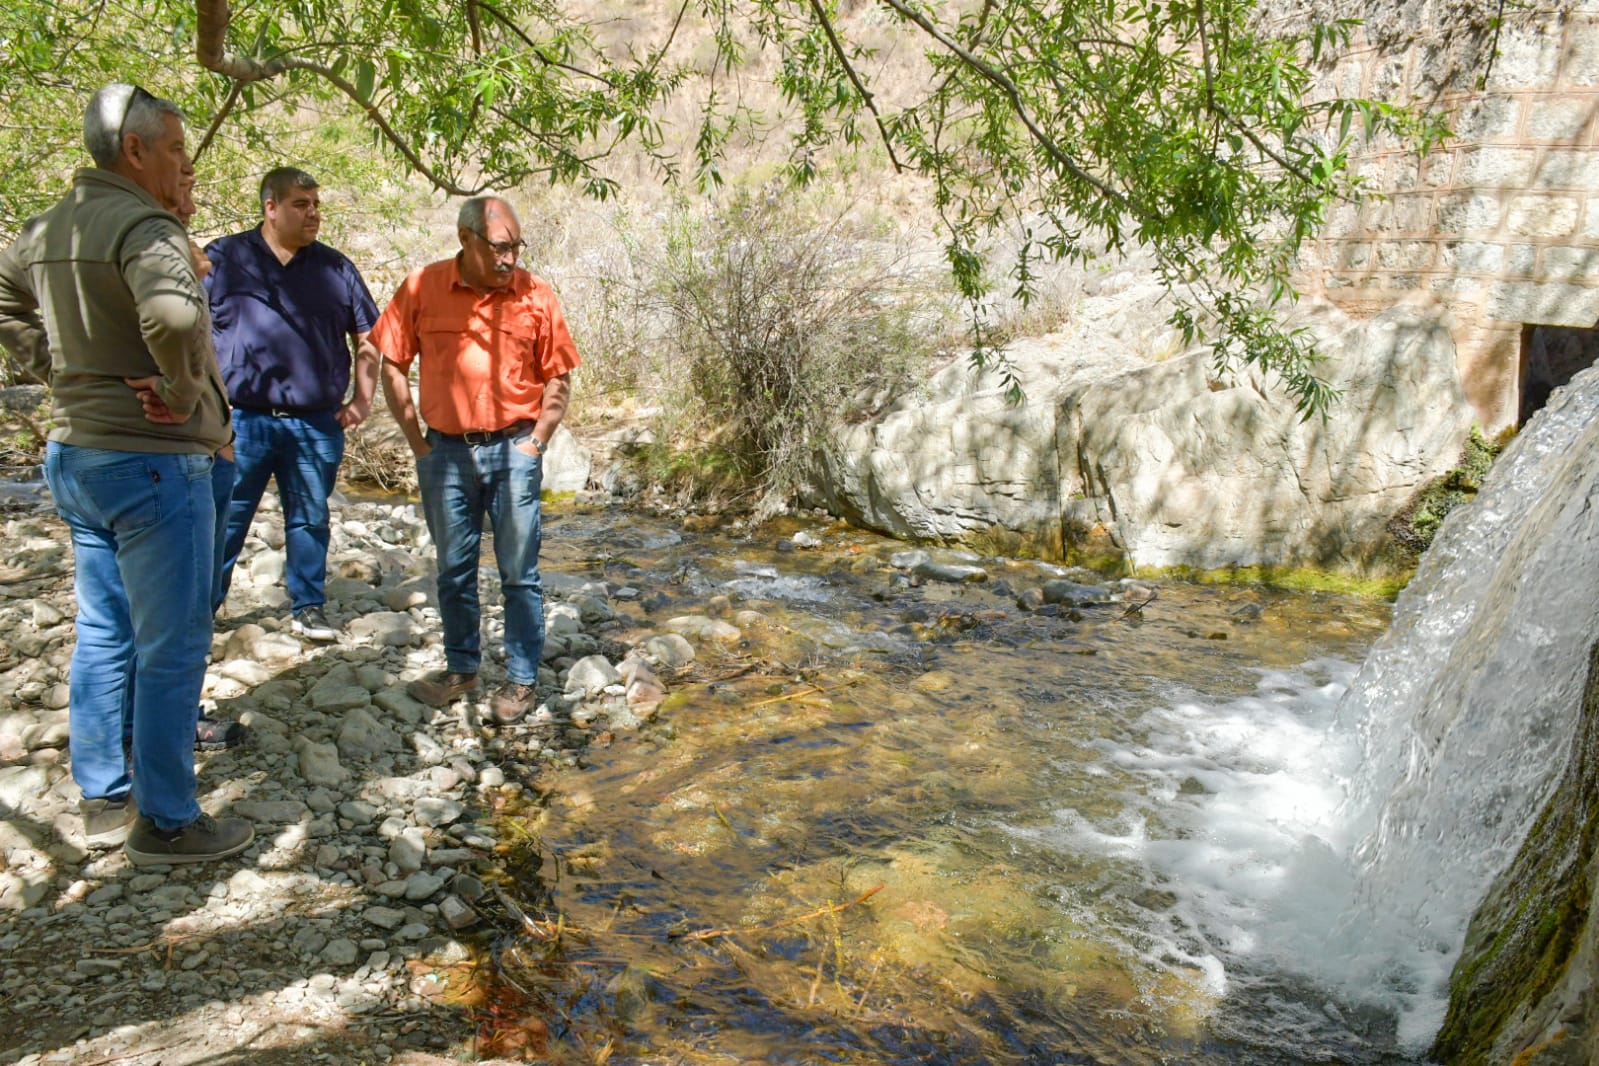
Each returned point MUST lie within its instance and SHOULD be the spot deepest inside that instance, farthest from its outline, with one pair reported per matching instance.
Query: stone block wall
(1501, 225)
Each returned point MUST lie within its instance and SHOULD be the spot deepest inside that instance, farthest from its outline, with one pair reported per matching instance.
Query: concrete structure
(1501, 225)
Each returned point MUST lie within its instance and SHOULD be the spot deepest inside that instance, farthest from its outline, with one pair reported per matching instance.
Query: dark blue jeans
(223, 474)
(460, 485)
(303, 454)
(143, 528)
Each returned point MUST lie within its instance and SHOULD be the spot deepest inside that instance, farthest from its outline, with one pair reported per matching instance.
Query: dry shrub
(757, 328)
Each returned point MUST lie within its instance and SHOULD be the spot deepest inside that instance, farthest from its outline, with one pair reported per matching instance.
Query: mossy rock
(1515, 995)
(1411, 530)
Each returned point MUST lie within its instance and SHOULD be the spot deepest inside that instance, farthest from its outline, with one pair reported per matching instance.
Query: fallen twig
(167, 941)
(1136, 608)
(123, 1055)
(813, 690)
(711, 934)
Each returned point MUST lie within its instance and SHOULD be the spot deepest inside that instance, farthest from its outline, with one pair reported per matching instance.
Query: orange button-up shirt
(485, 354)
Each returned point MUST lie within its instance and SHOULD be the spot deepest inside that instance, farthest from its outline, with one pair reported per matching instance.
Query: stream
(911, 821)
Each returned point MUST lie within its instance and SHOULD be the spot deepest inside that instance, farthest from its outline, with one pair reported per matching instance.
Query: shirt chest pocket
(442, 336)
(514, 332)
(517, 334)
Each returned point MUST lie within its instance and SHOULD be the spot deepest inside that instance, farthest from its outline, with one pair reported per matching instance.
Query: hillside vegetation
(761, 215)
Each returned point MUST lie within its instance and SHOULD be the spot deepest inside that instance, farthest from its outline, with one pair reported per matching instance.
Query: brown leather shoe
(511, 702)
(438, 689)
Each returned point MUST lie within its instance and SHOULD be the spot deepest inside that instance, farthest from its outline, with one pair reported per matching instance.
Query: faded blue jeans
(303, 452)
(460, 484)
(143, 528)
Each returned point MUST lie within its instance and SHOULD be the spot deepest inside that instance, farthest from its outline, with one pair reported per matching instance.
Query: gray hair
(473, 211)
(118, 109)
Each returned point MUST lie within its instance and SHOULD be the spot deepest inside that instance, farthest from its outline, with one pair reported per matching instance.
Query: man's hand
(155, 408)
(353, 414)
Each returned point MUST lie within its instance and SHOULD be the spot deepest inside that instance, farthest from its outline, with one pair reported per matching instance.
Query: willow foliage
(1176, 126)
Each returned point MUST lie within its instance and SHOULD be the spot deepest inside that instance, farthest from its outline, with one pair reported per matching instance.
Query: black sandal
(215, 734)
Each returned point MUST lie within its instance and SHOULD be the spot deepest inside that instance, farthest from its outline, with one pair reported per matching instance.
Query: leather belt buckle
(481, 436)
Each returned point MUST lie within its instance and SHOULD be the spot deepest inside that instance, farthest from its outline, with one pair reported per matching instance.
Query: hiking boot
(202, 840)
(106, 821)
(440, 688)
(215, 734)
(511, 702)
(312, 624)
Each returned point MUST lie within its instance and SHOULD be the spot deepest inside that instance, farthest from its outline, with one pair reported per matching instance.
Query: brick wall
(1502, 224)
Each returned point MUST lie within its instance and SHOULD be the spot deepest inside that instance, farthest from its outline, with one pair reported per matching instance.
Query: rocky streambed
(735, 726)
(382, 825)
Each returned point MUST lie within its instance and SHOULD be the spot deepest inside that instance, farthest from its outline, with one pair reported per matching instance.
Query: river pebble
(373, 841)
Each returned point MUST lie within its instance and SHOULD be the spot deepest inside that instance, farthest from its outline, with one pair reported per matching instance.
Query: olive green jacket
(100, 288)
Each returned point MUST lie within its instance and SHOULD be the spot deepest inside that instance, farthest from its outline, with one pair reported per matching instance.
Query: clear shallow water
(918, 824)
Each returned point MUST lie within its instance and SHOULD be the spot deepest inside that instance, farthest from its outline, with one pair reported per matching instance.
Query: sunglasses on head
(138, 94)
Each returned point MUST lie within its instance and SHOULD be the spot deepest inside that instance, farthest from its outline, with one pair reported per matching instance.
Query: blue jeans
(143, 529)
(224, 472)
(460, 484)
(303, 453)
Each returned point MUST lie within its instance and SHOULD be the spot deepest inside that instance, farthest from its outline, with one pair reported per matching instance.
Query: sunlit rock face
(1171, 463)
(1199, 470)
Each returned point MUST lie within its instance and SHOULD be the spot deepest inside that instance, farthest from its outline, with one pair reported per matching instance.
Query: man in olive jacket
(99, 300)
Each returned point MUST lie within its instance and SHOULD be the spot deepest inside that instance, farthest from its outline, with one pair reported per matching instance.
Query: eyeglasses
(133, 97)
(511, 248)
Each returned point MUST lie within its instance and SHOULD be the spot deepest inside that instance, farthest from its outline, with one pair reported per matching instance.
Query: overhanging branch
(218, 119)
(210, 46)
(860, 88)
(1000, 81)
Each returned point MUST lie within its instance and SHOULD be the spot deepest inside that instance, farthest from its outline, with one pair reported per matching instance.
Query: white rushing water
(1347, 836)
(1465, 710)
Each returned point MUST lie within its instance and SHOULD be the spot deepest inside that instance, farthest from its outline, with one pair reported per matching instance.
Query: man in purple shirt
(287, 310)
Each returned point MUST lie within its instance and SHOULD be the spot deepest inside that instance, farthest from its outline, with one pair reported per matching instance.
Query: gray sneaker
(202, 840)
(312, 624)
(106, 821)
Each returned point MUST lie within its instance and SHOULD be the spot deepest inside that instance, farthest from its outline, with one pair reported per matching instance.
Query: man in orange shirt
(493, 383)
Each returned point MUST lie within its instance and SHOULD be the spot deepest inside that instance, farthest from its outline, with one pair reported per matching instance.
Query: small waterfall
(1465, 708)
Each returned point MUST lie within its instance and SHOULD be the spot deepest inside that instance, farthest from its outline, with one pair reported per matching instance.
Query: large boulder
(1177, 466)
(567, 463)
(956, 457)
(1195, 471)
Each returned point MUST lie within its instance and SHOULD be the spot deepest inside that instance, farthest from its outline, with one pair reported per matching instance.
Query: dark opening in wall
(1550, 357)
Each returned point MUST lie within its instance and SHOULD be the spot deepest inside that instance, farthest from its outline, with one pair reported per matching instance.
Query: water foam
(1348, 836)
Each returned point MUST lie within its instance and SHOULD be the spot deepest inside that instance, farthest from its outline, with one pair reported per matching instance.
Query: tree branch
(860, 88)
(211, 41)
(472, 24)
(210, 46)
(1008, 87)
(218, 119)
(1248, 133)
(533, 46)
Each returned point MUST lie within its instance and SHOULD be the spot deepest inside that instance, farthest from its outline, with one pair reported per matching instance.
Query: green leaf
(366, 76)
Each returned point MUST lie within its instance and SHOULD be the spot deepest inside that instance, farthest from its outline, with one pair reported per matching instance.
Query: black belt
(488, 436)
(284, 412)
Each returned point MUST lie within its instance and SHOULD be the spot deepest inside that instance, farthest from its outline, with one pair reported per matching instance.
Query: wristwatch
(538, 445)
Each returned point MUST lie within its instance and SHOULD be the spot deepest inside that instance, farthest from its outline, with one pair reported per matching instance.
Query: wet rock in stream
(377, 818)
